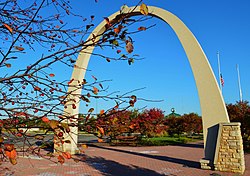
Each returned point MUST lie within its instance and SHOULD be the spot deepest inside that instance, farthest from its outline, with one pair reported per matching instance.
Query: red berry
(60, 134)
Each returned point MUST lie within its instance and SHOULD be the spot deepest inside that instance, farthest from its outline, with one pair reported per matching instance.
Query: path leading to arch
(123, 161)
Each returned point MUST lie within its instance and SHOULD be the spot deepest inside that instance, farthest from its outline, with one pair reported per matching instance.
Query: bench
(125, 140)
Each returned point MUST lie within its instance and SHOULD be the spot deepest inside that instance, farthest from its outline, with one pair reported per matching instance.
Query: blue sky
(165, 72)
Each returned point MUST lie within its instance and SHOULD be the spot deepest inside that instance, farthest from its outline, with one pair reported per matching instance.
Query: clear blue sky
(165, 72)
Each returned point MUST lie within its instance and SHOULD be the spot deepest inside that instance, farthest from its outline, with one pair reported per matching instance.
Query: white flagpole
(218, 56)
(240, 92)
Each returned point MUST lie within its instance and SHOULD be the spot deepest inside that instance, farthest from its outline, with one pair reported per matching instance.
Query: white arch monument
(214, 114)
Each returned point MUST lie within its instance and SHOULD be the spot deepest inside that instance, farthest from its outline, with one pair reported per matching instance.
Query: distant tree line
(149, 123)
(153, 122)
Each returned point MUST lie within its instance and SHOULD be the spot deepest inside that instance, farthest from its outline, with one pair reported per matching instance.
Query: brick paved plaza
(122, 161)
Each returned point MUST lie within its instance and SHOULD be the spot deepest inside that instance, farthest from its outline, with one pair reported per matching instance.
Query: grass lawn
(167, 140)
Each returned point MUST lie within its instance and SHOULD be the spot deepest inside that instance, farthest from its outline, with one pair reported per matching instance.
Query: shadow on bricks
(108, 167)
(185, 163)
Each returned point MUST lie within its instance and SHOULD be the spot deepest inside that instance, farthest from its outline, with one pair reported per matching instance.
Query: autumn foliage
(240, 112)
(149, 123)
(189, 123)
(192, 123)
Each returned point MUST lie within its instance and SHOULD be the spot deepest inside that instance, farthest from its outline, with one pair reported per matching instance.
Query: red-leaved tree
(150, 122)
(192, 123)
(240, 112)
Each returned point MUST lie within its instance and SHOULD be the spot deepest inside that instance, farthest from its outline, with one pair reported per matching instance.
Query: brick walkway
(122, 161)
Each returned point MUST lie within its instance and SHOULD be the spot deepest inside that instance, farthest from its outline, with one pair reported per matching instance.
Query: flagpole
(240, 92)
(218, 57)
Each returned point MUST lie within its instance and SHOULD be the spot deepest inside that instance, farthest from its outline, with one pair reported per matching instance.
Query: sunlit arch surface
(211, 101)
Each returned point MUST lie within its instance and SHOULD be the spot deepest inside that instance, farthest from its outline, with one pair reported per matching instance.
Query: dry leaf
(95, 90)
(100, 85)
(66, 155)
(100, 129)
(91, 110)
(67, 141)
(8, 28)
(45, 119)
(118, 29)
(102, 112)
(134, 98)
(9, 147)
(19, 48)
(108, 24)
(11, 154)
(37, 88)
(61, 159)
(94, 37)
(142, 28)
(13, 161)
(144, 9)
(131, 102)
(108, 60)
(129, 47)
(115, 42)
(71, 81)
(53, 124)
(51, 75)
(94, 77)
(7, 65)
(84, 146)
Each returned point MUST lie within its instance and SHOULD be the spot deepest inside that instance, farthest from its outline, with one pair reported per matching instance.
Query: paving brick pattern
(122, 161)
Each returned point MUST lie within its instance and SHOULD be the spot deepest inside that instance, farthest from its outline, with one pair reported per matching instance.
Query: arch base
(226, 153)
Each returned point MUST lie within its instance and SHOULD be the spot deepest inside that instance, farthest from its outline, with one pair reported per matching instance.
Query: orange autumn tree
(33, 44)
